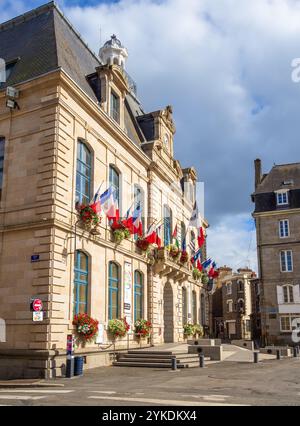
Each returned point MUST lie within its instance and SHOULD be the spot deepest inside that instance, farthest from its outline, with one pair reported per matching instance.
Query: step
(150, 352)
(143, 360)
(146, 365)
(168, 357)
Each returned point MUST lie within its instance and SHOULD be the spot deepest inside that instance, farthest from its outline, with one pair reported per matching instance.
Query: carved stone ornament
(168, 117)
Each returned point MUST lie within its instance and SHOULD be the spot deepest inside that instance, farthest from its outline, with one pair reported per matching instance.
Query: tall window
(286, 260)
(113, 290)
(282, 198)
(183, 236)
(194, 306)
(114, 181)
(229, 306)
(288, 294)
(115, 107)
(193, 243)
(184, 306)
(229, 288)
(2, 146)
(240, 286)
(167, 226)
(203, 314)
(284, 228)
(81, 282)
(139, 200)
(138, 295)
(83, 173)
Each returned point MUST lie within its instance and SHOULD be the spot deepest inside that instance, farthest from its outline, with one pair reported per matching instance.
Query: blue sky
(225, 66)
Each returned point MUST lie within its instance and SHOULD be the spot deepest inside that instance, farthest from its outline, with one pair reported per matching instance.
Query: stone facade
(277, 217)
(233, 304)
(38, 215)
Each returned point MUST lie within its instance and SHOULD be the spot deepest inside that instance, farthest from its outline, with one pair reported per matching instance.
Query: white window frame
(290, 293)
(291, 317)
(229, 303)
(284, 270)
(229, 288)
(282, 227)
(279, 195)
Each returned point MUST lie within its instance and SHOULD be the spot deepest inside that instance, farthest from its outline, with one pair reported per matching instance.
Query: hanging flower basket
(88, 214)
(120, 234)
(188, 330)
(197, 274)
(198, 330)
(142, 328)
(86, 327)
(184, 258)
(204, 279)
(142, 244)
(118, 327)
(174, 251)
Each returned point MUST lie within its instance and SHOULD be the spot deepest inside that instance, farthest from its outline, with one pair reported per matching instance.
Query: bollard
(278, 354)
(201, 360)
(174, 363)
(255, 357)
(297, 347)
(295, 352)
(70, 367)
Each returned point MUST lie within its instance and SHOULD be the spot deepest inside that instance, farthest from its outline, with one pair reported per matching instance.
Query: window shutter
(280, 299)
(297, 293)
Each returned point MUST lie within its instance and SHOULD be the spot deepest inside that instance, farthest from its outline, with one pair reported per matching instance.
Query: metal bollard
(70, 367)
(201, 360)
(278, 355)
(174, 363)
(295, 352)
(255, 357)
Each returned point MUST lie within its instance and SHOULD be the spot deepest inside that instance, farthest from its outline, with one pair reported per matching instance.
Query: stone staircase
(155, 359)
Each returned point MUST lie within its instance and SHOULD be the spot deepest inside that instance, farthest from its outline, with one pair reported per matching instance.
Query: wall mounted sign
(100, 335)
(128, 291)
(37, 316)
(35, 258)
(37, 305)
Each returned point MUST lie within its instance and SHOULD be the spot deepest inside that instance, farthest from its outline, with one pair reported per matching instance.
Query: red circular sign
(37, 305)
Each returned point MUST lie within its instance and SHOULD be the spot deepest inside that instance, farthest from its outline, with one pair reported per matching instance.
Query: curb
(28, 384)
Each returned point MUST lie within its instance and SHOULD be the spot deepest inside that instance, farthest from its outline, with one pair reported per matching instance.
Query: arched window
(167, 226)
(114, 181)
(81, 282)
(113, 291)
(2, 146)
(203, 315)
(184, 306)
(194, 307)
(83, 173)
(288, 294)
(183, 236)
(241, 305)
(138, 295)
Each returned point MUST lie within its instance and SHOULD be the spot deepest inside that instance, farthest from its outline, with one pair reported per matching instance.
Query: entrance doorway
(168, 314)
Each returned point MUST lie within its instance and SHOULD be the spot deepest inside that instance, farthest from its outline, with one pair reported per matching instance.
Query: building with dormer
(277, 218)
(73, 122)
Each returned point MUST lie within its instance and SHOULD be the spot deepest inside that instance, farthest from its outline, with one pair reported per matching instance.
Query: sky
(225, 66)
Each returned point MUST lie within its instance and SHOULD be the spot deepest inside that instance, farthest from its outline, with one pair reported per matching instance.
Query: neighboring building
(233, 304)
(78, 122)
(256, 312)
(277, 217)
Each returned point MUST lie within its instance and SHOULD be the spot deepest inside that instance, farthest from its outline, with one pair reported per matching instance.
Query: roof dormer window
(115, 107)
(282, 198)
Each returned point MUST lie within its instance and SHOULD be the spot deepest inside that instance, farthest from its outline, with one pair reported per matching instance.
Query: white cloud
(232, 242)
(226, 68)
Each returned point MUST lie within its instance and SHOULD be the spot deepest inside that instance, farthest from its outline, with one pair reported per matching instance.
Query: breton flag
(192, 246)
(194, 220)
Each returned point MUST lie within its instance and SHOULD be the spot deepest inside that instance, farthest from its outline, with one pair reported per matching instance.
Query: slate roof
(279, 174)
(43, 40)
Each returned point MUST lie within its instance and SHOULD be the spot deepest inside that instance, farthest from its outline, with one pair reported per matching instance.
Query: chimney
(258, 172)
